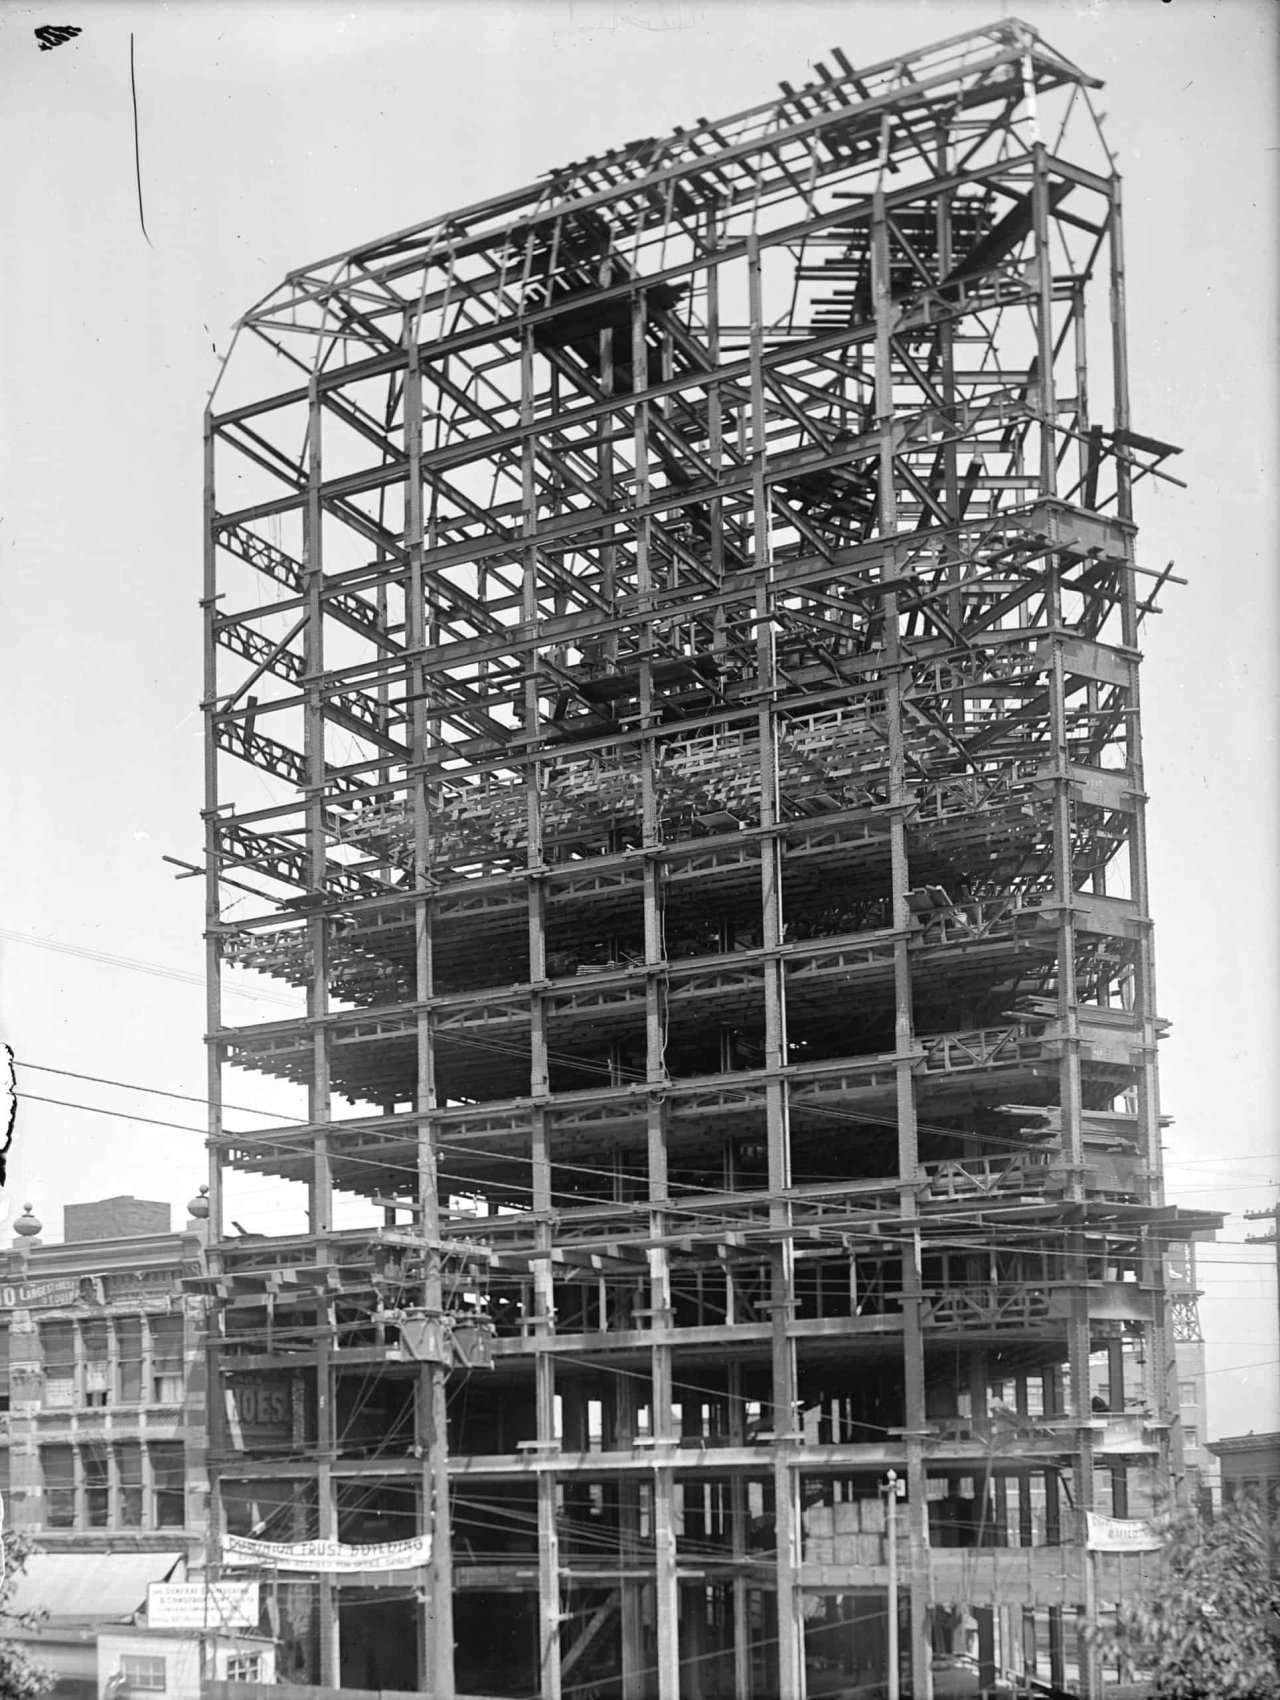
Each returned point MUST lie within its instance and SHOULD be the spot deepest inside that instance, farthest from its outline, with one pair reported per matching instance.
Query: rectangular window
(97, 1486)
(4, 1367)
(1187, 1393)
(142, 1675)
(58, 1347)
(166, 1360)
(58, 1350)
(244, 1667)
(93, 1345)
(129, 1468)
(168, 1475)
(58, 1467)
(129, 1360)
(1190, 1435)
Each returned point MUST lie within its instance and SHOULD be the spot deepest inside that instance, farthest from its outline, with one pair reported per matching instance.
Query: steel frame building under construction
(672, 672)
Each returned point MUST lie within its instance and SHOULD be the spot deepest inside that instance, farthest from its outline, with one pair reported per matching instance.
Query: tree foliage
(21, 1676)
(1204, 1628)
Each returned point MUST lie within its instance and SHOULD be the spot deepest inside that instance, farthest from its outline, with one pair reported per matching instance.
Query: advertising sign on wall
(259, 1410)
(203, 1605)
(73, 1290)
(39, 1295)
(1120, 1534)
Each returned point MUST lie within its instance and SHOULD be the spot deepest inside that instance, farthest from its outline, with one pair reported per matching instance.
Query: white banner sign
(203, 1605)
(329, 1558)
(1120, 1534)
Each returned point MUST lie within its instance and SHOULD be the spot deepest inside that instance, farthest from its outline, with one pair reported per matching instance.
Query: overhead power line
(160, 970)
(136, 1086)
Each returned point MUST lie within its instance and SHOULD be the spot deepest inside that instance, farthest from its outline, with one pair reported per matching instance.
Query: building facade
(1199, 1462)
(1250, 1467)
(102, 1378)
(180, 1664)
(683, 700)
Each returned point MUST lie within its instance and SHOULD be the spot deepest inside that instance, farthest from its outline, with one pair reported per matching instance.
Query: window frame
(58, 1486)
(136, 1680)
(168, 1463)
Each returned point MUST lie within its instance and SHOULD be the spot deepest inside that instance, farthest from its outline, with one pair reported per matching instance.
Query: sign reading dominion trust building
(327, 1558)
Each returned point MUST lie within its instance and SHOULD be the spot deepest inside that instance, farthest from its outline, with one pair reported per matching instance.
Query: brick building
(1250, 1465)
(102, 1417)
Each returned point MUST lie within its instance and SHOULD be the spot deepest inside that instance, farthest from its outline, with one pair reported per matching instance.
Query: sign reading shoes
(327, 1558)
(259, 1410)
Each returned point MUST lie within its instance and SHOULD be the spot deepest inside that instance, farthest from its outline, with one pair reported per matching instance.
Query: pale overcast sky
(274, 134)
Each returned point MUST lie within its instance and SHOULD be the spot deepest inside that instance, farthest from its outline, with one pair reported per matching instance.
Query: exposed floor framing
(672, 675)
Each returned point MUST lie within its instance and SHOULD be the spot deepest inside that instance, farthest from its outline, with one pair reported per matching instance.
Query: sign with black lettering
(39, 1295)
(203, 1605)
(1120, 1534)
(259, 1410)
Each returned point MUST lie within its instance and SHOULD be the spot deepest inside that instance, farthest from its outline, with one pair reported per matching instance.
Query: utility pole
(893, 1490)
(1273, 1238)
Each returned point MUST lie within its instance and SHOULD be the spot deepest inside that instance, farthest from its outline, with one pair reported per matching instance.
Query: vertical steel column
(634, 1675)
(920, 1580)
(1144, 989)
(549, 1607)
(550, 1614)
(715, 418)
(1046, 411)
(660, 1320)
(1081, 349)
(631, 1604)
(605, 470)
(950, 448)
(1068, 1027)
(213, 982)
(786, 1479)
(738, 1539)
(437, 1650)
(1163, 1368)
(320, 1212)
(212, 906)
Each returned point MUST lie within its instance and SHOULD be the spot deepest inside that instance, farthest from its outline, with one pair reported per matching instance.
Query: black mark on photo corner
(53, 35)
(10, 1117)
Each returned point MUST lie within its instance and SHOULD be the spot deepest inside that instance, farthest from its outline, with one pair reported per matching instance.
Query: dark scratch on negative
(137, 155)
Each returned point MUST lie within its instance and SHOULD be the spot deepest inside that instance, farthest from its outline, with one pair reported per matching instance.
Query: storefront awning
(91, 1587)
